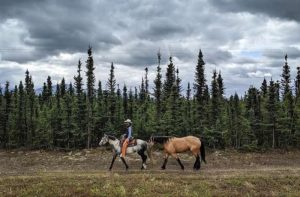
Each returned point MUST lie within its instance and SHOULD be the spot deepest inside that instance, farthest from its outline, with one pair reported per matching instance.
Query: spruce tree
(288, 103)
(44, 93)
(277, 90)
(286, 79)
(111, 84)
(142, 92)
(188, 111)
(90, 76)
(237, 112)
(170, 79)
(206, 103)
(135, 94)
(215, 107)
(146, 83)
(254, 114)
(29, 108)
(119, 109)
(22, 135)
(158, 89)
(125, 102)
(67, 121)
(80, 118)
(71, 89)
(272, 112)
(296, 137)
(57, 130)
(220, 85)
(7, 111)
(178, 81)
(99, 92)
(130, 104)
(90, 95)
(99, 100)
(62, 88)
(99, 114)
(199, 87)
(12, 123)
(216, 130)
(49, 87)
(297, 84)
(264, 87)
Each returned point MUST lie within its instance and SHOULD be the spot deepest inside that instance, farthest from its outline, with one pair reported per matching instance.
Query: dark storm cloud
(218, 56)
(70, 26)
(275, 8)
(59, 26)
(135, 54)
(51, 35)
(292, 52)
(161, 29)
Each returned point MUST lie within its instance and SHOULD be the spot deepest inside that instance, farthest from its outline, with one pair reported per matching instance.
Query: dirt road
(84, 173)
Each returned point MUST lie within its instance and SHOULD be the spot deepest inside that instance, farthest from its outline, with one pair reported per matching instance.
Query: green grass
(150, 184)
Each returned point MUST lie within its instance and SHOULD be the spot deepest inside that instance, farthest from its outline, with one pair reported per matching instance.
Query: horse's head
(104, 140)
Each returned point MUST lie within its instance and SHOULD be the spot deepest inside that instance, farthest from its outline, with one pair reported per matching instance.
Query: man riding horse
(120, 146)
(127, 137)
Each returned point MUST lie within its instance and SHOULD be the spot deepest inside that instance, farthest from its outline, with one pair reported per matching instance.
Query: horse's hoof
(144, 166)
(162, 168)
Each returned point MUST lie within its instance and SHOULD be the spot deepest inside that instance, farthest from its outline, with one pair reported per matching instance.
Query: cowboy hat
(128, 121)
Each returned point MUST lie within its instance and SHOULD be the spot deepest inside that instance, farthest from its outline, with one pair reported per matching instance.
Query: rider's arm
(129, 132)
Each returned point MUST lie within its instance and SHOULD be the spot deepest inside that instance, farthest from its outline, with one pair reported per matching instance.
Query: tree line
(76, 115)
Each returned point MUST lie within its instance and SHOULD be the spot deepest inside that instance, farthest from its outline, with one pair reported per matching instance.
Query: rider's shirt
(129, 131)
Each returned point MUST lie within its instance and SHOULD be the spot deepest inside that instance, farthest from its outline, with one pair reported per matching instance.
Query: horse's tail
(202, 151)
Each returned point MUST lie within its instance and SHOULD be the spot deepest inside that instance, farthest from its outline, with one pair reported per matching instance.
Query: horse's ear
(151, 138)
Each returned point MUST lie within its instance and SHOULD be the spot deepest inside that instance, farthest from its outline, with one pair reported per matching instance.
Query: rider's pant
(124, 147)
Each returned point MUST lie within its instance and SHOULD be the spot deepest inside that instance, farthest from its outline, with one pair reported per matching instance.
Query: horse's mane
(161, 139)
(111, 137)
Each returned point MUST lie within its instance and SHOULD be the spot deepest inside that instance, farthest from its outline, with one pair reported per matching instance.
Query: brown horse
(174, 145)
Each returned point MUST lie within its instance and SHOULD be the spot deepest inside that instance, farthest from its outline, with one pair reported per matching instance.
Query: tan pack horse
(174, 145)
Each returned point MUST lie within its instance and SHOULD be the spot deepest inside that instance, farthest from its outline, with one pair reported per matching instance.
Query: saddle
(132, 143)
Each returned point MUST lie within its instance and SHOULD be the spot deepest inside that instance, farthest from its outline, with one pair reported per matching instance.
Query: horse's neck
(115, 143)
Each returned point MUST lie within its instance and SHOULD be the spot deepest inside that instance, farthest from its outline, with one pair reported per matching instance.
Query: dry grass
(83, 173)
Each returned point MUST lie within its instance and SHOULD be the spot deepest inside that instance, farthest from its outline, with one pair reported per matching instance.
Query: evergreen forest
(75, 115)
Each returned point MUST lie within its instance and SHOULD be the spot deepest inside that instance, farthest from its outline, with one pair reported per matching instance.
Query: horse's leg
(123, 160)
(197, 156)
(197, 163)
(144, 158)
(178, 160)
(199, 160)
(165, 162)
(113, 160)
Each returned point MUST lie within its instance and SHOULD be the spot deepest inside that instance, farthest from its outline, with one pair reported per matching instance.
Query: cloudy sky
(245, 39)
